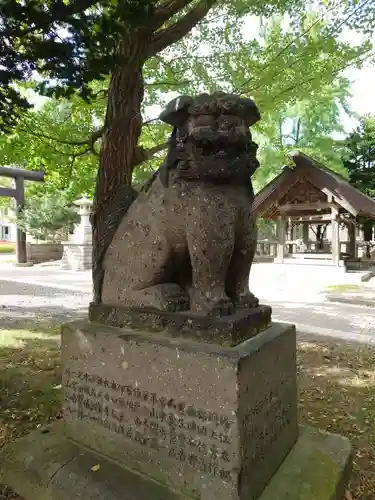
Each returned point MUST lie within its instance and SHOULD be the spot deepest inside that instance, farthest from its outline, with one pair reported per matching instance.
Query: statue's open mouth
(226, 138)
(220, 148)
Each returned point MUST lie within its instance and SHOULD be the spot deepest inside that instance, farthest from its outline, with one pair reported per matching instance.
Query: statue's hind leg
(139, 269)
(146, 294)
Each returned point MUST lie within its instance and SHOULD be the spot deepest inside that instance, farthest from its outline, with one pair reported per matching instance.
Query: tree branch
(92, 140)
(353, 60)
(87, 142)
(142, 154)
(101, 94)
(156, 149)
(167, 10)
(74, 157)
(167, 36)
(169, 84)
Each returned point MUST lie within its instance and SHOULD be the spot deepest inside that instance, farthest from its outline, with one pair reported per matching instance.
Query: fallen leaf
(95, 468)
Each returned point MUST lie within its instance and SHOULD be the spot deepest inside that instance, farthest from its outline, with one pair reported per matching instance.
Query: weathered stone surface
(29, 464)
(204, 419)
(188, 241)
(317, 468)
(224, 330)
(46, 466)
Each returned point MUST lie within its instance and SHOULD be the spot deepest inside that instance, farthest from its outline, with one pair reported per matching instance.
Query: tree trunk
(320, 234)
(367, 230)
(122, 129)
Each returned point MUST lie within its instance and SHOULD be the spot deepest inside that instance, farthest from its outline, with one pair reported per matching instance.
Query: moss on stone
(316, 469)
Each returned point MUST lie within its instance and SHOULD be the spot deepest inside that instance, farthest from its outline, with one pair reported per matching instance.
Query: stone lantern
(83, 232)
(78, 250)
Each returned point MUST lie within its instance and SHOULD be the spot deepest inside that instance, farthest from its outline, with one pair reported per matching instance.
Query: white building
(8, 230)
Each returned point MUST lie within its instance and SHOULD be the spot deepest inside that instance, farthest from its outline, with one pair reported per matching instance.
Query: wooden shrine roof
(311, 183)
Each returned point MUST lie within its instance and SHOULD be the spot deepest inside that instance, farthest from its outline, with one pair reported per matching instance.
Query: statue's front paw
(246, 300)
(209, 303)
(168, 297)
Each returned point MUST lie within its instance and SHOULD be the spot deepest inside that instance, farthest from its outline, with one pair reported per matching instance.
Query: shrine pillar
(305, 233)
(335, 236)
(352, 244)
(281, 234)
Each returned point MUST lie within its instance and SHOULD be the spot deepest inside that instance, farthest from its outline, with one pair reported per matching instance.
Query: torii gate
(20, 176)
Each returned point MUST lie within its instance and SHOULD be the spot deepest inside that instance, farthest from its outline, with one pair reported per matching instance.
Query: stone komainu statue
(188, 240)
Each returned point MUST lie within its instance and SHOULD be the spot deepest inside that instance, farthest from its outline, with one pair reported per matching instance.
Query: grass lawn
(29, 381)
(336, 384)
(345, 288)
(7, 247)
(337, 393)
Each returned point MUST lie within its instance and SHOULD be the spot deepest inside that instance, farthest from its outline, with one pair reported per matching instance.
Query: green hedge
(7, 247)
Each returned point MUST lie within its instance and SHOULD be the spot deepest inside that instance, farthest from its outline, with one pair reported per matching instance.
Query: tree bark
(117, 158)
(119, 152)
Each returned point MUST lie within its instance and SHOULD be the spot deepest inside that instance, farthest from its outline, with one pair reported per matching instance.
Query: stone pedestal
(76, 256)
(149, 415)
(226, 330)
(203, 419)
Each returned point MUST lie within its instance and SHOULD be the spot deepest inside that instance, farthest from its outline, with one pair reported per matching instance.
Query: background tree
(6, 202)
(359, 156)
(45, 217)
(66, 163)
(359, 160)
(310, 125)
(71, 43)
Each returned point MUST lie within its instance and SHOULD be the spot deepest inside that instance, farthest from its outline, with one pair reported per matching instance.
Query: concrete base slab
(46, 466)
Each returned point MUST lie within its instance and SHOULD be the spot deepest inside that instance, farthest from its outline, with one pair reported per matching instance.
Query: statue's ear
(176, 112)
(250, 110)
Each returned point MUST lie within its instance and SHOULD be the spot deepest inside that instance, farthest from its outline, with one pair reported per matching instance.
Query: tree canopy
(310, 125)
(73, 42)
(300, 100)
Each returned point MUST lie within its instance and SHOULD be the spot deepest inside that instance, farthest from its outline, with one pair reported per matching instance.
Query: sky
(362, 100)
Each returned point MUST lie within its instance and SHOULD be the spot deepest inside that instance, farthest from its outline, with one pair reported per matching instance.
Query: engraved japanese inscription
(191, 434)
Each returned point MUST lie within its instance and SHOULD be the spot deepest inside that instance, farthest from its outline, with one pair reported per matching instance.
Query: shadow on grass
(326, 319)
(337, 394)
(39, 305)
(29, 380)
(33, 290)
(30, 377)
(16, 317)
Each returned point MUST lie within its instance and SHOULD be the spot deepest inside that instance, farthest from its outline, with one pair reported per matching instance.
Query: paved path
(47, 293)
